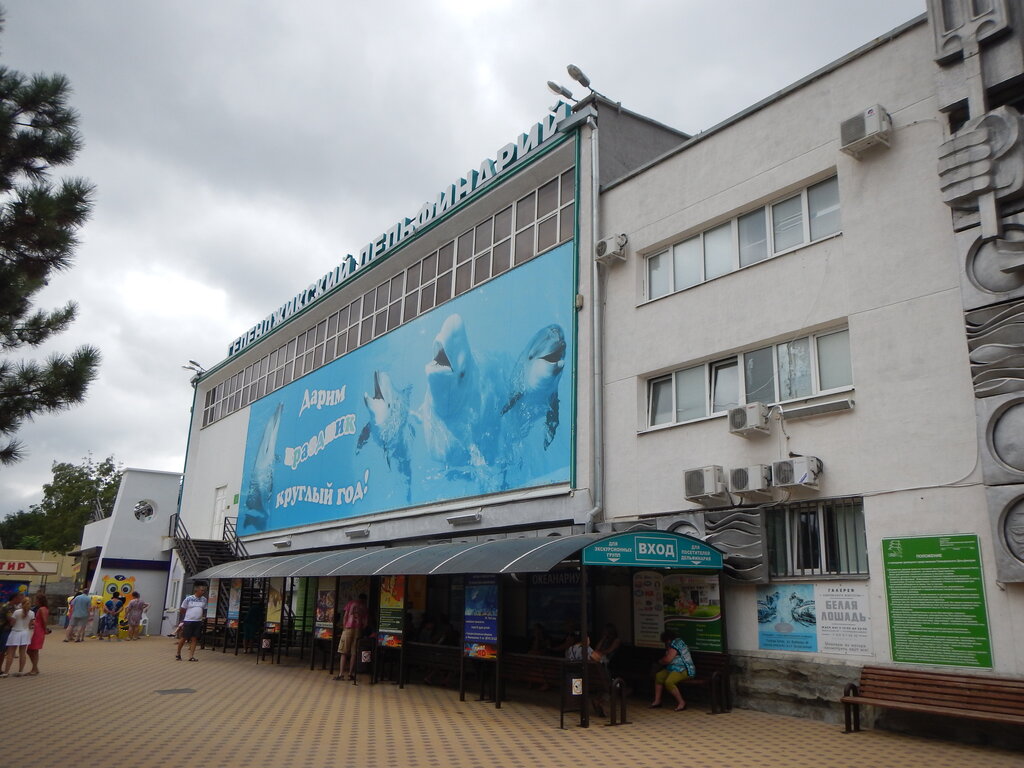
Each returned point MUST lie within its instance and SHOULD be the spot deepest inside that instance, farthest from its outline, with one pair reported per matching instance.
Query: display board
(936, 599)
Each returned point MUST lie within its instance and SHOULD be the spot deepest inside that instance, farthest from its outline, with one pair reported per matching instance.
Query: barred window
(816, 538)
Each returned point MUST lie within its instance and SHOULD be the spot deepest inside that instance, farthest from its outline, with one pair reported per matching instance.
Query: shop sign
(27, 567)
(653, 550)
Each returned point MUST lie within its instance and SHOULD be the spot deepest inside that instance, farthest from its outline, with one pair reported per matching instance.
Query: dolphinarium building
(759, 386)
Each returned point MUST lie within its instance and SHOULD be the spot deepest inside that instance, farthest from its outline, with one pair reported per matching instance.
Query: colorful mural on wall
(471, 398)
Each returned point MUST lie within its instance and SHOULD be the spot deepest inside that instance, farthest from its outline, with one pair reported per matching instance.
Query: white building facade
(783, 364)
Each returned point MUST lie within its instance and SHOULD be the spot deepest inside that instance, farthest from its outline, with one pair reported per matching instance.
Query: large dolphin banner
(474, 397)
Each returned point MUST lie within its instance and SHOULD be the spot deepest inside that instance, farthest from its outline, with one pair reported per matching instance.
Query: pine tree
(38, 224)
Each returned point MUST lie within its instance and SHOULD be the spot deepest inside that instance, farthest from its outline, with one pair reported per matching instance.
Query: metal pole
(584, 643)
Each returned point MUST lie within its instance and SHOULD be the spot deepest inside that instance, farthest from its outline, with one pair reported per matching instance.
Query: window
(817, 538)
(809, 215)
(534, 224)
(789, 370)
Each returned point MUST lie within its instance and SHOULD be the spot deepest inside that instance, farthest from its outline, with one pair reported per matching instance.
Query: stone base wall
(812, 690)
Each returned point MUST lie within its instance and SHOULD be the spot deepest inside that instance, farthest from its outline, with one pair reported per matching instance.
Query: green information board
(936, 599)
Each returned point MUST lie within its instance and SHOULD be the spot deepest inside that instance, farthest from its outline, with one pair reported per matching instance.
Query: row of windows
(816, 538)
(789, 370)
(809, 215)
(532, 225)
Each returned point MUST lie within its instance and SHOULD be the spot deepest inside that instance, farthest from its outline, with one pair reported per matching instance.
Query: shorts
(192, 630)
(348, 640)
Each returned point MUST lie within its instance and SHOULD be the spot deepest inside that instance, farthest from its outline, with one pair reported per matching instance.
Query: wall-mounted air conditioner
(749, 419)
(867, 129)
(799, 471)
(611, 248)
(705, 484)
(753, 482)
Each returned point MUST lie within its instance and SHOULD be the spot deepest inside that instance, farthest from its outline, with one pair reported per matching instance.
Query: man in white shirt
(191, 615)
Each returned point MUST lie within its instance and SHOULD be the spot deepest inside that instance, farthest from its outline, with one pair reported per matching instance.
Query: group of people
(674, 666)
(81, 612)
(23, 629)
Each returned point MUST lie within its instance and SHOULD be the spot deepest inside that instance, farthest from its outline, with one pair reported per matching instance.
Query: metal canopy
(520, 555)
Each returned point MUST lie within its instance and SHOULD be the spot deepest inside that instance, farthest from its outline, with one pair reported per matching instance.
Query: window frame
(824, 526)
(733, 222)
(712, 367)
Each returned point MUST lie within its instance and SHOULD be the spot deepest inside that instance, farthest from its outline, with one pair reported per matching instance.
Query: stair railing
(231, 537)
(187, 550)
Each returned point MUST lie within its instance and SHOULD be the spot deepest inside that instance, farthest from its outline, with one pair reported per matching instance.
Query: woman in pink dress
(39, 631)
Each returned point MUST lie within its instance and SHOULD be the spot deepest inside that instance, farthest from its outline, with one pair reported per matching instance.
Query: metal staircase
(198, 554)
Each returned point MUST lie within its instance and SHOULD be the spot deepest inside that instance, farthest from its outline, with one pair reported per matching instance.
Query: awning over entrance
(521, 555)
(526, 555)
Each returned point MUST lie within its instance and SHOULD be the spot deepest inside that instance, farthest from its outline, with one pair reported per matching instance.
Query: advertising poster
(275, 601)
(212, 594)
(234, 601)
(936, 600)
(470, 398)
(480, 627)
(9, 589)
(326, 607)
(648, 609)
(392, 610)
(693, 610)
(844, 621)
(786, 618)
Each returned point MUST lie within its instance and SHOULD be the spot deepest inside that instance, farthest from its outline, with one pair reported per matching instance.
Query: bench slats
(977, 697)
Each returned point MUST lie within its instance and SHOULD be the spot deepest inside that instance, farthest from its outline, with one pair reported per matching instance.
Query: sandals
(178, 657)
(193, 659)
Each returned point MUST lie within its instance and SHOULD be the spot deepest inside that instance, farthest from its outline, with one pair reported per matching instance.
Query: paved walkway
(230, 712)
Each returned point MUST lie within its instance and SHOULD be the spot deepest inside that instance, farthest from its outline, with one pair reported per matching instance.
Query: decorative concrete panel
(1001, 429)
(995, 338)
(1006, 512)
(957, 24)
(740, 535)
(989, 275)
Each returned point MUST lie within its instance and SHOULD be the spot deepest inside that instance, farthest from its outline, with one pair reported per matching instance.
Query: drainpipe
(596, 341)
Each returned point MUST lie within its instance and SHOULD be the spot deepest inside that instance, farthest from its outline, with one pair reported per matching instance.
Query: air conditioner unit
(611, 248)
(749, 419)
(870, 128)
(755, 480)
(705, 484)
(800, 471)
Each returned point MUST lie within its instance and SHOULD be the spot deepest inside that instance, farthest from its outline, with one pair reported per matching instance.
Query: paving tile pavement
(239, 714)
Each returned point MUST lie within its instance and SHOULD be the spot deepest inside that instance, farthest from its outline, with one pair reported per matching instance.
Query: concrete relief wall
(981, 176)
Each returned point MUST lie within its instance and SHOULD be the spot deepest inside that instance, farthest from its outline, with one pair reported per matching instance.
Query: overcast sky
(240, 148)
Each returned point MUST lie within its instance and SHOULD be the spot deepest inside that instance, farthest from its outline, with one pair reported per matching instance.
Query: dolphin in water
(261, 476)
(389, 425)
(533, 386)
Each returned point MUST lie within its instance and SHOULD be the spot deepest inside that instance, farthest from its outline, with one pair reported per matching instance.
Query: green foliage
(39, 221)
(23, 528)
(77, 494)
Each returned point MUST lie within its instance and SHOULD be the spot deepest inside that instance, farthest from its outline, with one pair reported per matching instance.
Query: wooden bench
(637, 665)
(976, 697)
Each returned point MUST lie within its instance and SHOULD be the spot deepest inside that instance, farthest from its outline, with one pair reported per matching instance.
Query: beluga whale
(533, 385)
(389, 425)
(261, 476)
(458, 413)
